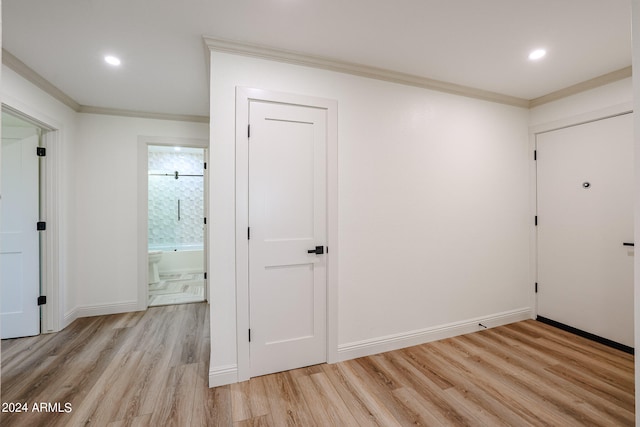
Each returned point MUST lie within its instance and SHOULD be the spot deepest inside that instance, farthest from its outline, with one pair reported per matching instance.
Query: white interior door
(585, 214)
(287, 218)
(19, 240)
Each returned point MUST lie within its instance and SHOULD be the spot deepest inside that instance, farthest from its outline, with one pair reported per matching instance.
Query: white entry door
(287, 219)
(19, 240)
(585, 215)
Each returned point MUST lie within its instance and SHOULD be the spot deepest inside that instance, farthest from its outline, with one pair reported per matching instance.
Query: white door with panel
(19, 239)
(287, 220)
(585, 218)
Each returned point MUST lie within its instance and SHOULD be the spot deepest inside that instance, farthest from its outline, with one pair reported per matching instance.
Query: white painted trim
(407, 339)
(88, 109)
(143, 208)
(70, 317)
(223, 375)
(602, 80)
(106, 309)
(50, 239)
(243, 96)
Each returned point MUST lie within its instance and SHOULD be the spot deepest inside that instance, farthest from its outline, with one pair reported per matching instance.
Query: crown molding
(88, 109)
(36, 79)
(602, 80)
(30, 75)
(298, 58)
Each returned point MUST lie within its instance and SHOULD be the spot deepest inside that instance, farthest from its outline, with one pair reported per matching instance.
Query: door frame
(243, 96)
(143, 208)
(52, 268)
(534, 131)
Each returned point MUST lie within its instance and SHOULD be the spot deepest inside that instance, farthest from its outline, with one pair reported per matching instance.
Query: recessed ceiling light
(112, 60)
(537, 54)
(177, 148)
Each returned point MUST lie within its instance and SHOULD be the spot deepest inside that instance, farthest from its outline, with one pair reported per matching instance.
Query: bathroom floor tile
(177, 289)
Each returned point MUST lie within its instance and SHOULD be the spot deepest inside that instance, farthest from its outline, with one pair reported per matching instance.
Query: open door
(19, 239)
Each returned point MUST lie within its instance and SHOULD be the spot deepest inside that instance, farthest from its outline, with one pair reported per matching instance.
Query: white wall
(433, 204)
(28, 99)
(107, 206)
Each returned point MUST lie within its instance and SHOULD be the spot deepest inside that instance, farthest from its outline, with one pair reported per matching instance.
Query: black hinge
(535, 154)
(41, 151)
(41, 226)
(205, 220)
(248, 131)
(248, 233)
(536, 287)
(205, 275)
(205, 165)
(536, 220)
(249, 335)
(42, 300)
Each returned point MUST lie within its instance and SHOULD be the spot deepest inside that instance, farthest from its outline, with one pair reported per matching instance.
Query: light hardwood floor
(150, 369)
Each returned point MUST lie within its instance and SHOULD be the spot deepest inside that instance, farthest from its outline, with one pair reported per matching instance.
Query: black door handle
(628, 244)
(319, 250)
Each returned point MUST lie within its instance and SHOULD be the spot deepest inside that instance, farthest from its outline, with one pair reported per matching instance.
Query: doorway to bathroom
(176, 224)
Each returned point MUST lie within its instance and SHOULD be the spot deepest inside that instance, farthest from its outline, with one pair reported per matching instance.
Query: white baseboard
(104, 309)
(223, 375)
(407, 339)
(69, 317)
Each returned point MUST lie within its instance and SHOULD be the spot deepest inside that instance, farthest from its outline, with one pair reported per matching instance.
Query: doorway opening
(176, 225)
(172, 218)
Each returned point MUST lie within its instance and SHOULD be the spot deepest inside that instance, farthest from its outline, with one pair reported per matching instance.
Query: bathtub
(180, 259)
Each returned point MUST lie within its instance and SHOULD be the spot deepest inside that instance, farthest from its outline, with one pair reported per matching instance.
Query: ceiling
(482, 44)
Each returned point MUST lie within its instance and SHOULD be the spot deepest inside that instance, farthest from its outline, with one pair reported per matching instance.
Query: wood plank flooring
(150, 369)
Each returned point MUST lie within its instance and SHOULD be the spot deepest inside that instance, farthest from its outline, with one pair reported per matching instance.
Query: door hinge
(248, 233)
(536, 220)
(248, 131)
(42, 299)
(205, 220)
(41, 151)
(249, 335)
(205, 165)
(41, 226)
(205, 275)
(536, 287)
(535, 154)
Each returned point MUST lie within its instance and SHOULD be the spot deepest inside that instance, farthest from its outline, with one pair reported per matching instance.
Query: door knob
(319, 250)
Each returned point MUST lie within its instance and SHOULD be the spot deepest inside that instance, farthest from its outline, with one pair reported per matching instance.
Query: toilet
(154, 259)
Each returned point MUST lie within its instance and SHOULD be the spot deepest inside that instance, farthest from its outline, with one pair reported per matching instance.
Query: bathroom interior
(176, 188)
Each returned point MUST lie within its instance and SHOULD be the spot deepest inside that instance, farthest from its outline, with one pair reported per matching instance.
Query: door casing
(243, 97)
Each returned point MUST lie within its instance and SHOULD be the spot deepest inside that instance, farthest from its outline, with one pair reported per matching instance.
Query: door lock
(319, 250)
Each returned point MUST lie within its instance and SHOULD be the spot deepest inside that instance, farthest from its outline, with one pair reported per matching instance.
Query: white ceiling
(479, 43)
